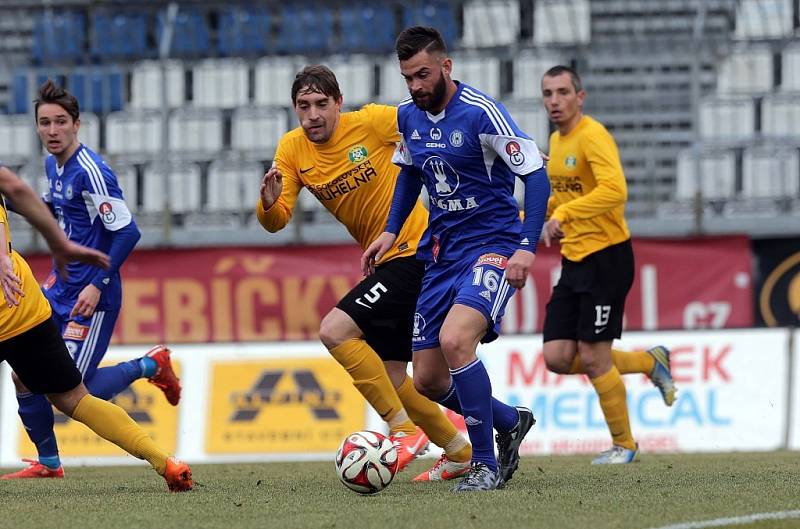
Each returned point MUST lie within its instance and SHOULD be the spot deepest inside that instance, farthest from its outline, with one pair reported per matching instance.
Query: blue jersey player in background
(467, 151)
(87, 201)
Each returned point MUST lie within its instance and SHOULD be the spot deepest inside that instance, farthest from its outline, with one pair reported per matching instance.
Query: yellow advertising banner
(279, 406)
(144, 402)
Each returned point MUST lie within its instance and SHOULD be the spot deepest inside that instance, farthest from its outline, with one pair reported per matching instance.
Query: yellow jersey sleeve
(280, 213)
(383, 120)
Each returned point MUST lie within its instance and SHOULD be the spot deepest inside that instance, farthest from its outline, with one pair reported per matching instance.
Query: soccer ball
(366, 462)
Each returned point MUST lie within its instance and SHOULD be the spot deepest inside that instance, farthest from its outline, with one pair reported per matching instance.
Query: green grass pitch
(547, 492)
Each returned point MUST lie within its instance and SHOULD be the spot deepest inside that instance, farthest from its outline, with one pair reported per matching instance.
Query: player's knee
(453, 345)
(67, 401)
(429, 386)
(18, 385)
(557, 363)
(337, 328)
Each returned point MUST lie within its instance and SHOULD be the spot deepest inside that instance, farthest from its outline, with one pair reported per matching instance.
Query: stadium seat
(780, 115)
(146, 84)
(190, 36)
(771, 172)
(119, 35)
(34, 175)
(746, 70)
(127, 177)
(273, 80)
(134, 134)
(232, 185)
(392, 87)
(729, 118)
(561, 22)
(98, 89)
(479, 71)
(532, 119)
(18, 141)
(355, 75)
(195, 132)
(366, 27)
(256, 130)
(180, 180)
(790, 63)
(717, 176)
(244, 30)
(89, 133)
(59, 37)
(764, 19)
(529, 67)
(436, 13)
(305, 29)
(483, 18)
(220, 83)
(22, 92)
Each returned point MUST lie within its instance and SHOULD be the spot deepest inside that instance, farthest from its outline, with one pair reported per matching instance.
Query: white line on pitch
(736, 520)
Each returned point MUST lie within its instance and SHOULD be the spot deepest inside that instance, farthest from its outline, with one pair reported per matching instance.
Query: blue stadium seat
(305, 29)
(119, 36)
(59, 37)
(22, 94)
(244, 31)
(190, 37)
(367, 28)
(433, 13)
(98, 89)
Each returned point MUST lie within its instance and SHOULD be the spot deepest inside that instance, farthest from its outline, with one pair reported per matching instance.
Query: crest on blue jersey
(456, 138)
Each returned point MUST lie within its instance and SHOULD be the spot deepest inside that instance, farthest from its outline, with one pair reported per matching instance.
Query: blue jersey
(88, 203)
(467, 156)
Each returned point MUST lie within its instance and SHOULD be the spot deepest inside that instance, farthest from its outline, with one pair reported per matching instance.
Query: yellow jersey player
(345, 160)
(586, 212)
(31, 342)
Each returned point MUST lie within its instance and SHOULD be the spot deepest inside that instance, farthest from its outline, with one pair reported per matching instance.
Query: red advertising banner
(282, 293)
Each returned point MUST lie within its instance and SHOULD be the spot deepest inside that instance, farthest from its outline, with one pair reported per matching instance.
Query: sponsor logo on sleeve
(514, 152)
(107, 213)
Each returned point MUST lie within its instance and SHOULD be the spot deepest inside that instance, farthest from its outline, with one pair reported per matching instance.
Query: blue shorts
(478, 282)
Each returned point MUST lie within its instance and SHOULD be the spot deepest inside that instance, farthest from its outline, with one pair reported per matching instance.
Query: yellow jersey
(589, 189)
(352, 175)
(33, 308)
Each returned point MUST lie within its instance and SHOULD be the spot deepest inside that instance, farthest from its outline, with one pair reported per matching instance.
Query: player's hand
(87, 302)
(376, 251)
(551, 232)
(518, 268)
(70, 252)
(12, 285)
(544, 156)
(271, 187)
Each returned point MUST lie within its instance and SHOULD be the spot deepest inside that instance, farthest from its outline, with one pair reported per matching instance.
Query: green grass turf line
(547, 492)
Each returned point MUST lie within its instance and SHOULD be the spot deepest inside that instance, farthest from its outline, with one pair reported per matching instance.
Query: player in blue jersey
(87, 201)
(467, 151)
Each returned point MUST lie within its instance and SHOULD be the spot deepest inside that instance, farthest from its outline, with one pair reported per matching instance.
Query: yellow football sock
(611, 391)
(110, 422)
(371, 380)
(626, 362)
(430, 417)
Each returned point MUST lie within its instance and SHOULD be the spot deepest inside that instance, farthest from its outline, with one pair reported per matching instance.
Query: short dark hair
(50, 92)
(316, 78)
(574, 77)
(416, 39)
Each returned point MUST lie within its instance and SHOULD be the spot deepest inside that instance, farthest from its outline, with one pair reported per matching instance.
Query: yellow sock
(626, 362)
(611, 391)
(110, 422)
(371, 380)
(430, 417)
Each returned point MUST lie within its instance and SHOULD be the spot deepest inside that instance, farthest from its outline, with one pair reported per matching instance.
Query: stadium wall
(291, 401)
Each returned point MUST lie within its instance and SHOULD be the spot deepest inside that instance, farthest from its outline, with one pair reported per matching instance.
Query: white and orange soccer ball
(366, 462)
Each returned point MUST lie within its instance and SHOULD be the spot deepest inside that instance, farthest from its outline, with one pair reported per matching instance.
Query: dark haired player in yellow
(31, 342)
(586, 212)
(344, 160)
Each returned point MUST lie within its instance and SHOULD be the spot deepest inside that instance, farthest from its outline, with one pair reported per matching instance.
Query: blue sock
(108, 381)
(149, 366)
(37, 416)
(505, 417)
(475, 394)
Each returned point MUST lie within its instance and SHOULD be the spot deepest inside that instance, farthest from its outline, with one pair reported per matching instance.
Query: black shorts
(383, 306)
(588, 302)
(40, 359)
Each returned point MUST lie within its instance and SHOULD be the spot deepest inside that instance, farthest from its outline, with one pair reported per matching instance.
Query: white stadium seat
(232, 185)
(127, 177)
(134, 133)
(393, 88)
(18, 139)
(196, 132)
(746, 70)
(764, 19)
(257, 130)
(790, 62)
(532, 119)
(181, 182)
(561, 22)
(355, 74)
(479, 71)
(770, 172)
(717, 177)
(220, 83)
(483, 20)
(728, 118)
(780, 115)
(529, 67)
(34, 175)
(146, 79)
(273, 80)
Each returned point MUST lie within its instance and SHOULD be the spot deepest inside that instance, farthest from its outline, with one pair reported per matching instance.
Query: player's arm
(29, 205)
(278, 193)
(10, 282)
(611, 191)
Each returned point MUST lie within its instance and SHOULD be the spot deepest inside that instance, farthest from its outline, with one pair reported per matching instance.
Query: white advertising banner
(794, 425)
(731, 394)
